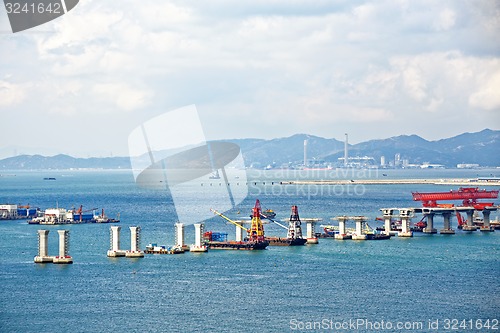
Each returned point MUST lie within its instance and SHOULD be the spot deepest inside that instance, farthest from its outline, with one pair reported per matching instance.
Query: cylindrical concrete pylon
(42, 243)
(63, 242)
(115, 238)
(239, 233)
(134, 238)
(179, 234)
(198, 230)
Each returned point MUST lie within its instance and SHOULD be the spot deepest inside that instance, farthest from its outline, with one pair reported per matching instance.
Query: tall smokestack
(305, 153)
(346, 155)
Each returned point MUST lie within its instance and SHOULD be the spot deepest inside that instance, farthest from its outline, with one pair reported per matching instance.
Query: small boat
(49, 178)
(268, 213)
(330, 231)
(162, 249)
(103, 218)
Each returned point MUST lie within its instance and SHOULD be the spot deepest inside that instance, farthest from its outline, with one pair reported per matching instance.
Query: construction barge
(294, 231)
(63, 216)
(255, 239)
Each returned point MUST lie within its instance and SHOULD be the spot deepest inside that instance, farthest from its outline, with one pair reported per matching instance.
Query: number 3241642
(40, 8)
(479, 324)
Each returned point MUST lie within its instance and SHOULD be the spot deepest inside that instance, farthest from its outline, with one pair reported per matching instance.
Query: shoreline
(440, 181)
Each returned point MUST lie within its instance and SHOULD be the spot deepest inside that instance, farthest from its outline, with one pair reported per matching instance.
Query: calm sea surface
(401, 280)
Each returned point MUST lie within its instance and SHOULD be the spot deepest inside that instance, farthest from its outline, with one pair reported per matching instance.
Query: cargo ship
(294, 234)
(255, 239)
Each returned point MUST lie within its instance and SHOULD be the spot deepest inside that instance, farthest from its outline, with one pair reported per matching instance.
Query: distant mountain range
(481, 148)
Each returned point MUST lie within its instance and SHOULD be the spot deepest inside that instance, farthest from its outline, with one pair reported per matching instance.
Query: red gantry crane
(468, 195)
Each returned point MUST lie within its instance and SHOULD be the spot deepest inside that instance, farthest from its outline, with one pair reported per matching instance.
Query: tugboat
(294, 235)
(255, 239)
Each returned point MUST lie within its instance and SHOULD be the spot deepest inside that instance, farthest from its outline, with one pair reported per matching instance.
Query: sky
(80, 84)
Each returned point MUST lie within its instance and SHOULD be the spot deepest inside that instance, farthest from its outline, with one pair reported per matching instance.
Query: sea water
(337, 286)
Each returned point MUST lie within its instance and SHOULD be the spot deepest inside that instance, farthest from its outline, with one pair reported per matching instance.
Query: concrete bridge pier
(198, 233)
(342, 232)
(360, 222)
(63, 257)
(470, 221)
(115, 250)
(311, 234)
(447, 225)
(387, 221)
(43, 253)
(179, 236)
(430, 224)
(135, 240)
(405, 224)
(486, 221)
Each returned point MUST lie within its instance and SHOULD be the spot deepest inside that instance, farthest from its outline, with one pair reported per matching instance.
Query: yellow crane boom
(229, 220)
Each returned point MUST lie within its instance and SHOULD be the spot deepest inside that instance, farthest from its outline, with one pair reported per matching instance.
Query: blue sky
(374, 69)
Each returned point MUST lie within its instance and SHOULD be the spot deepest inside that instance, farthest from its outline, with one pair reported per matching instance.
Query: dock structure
(43, 255)
(198, 234)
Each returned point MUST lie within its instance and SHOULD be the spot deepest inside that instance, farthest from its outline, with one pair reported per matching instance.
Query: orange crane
(468, 195)
(80, 212)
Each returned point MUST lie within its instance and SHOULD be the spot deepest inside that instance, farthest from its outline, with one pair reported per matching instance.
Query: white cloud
(11, 94)
(487, 96)
(123, 96)
(312, 66)
(446, 20)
